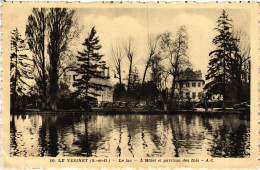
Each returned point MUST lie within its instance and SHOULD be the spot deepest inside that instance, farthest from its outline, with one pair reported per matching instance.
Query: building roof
(190, 75)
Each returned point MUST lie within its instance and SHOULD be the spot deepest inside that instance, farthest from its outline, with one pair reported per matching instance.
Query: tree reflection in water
(178, 135)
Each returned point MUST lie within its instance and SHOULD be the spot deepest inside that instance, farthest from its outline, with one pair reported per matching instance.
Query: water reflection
(179, 135)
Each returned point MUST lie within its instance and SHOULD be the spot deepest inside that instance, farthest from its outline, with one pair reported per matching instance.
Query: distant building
(105, 95)
(190, 85)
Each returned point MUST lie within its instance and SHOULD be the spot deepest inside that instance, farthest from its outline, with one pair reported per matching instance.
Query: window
(198, 84)
(187, 94)
(187, 84)
(200, 95)
(193, 95)
(193, 84)
(74, 77)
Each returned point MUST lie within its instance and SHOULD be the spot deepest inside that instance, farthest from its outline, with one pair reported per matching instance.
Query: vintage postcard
(130, 85)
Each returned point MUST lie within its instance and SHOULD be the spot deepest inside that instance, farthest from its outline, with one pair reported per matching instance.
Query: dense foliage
(89, 67)
(226, 64)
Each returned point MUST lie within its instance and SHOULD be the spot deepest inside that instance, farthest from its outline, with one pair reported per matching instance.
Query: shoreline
(100, 111)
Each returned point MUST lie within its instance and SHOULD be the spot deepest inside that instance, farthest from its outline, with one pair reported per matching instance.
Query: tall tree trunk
(129, 75)
(87, 83)
(43, 67)
(15, 80)
(175, 73)
(54, 82)
(180, 94)
(240, 89)
(119, 73)
(224, 80)
(142, 87)
(86, 97)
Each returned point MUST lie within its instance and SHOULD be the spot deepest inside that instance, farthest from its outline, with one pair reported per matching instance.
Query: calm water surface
(179, 135)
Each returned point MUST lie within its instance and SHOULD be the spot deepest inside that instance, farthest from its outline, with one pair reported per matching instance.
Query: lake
(164, 135)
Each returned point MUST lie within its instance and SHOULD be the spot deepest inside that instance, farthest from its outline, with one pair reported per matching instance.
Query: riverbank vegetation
(43, 64)
(229, 65)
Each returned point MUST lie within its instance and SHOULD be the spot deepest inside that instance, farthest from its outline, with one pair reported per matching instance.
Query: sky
(114, 25)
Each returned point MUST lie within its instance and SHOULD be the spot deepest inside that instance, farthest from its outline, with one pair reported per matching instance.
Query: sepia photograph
(129, 82)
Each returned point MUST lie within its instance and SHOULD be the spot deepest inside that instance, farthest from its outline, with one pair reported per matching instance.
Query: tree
(239, 65)
(159, 75)
(90, 66)
(152, 44)
(117, 54)
(175, 50)
(60, 23)
(134, 79)
(49, 32)
(148, 88)
(221, 58)
(133, 93)
(35, 33)
(119, 93)
(129, 48)
(21, 68)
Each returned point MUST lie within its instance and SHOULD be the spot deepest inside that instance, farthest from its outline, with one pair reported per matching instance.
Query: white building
(190, 85)
(105, 95)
